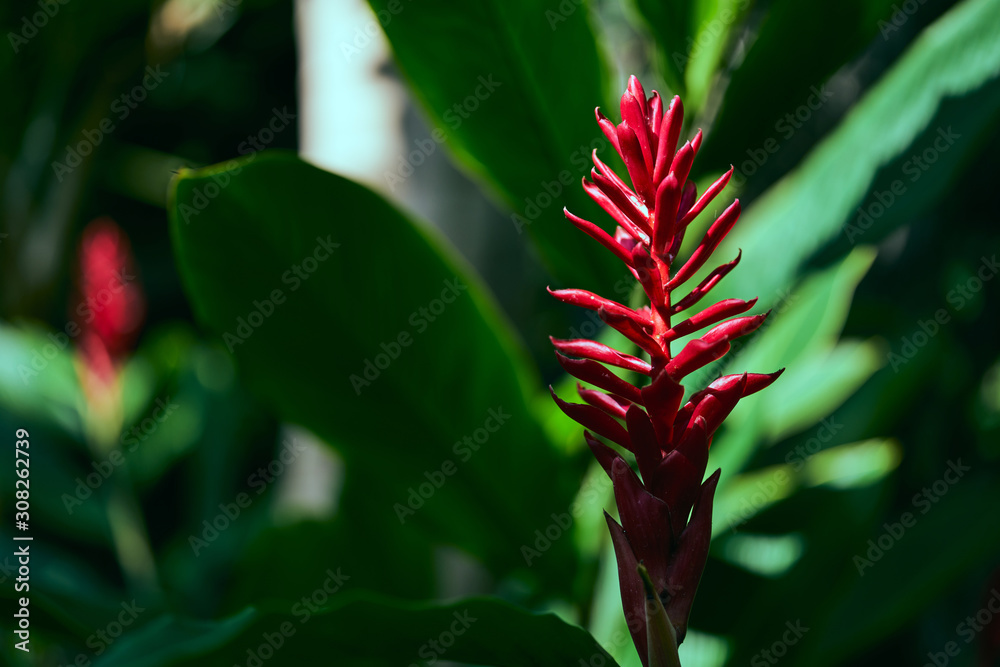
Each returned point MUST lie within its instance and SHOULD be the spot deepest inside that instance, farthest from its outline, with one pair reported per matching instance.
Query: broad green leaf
(808, 320)
(798, 46)
(363, 327)
(800, 214)
(360, 629)
(535, 68)
(918, 187)
(800, 336)
(813, 387)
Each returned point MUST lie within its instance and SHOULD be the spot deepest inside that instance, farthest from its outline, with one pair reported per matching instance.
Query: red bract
(666, 517)
(111, 302)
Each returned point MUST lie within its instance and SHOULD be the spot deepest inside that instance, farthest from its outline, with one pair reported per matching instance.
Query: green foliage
(808, 209)
(515, 87)
(414, 383)
(365, 630)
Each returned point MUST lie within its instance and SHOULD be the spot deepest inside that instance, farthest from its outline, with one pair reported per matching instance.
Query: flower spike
(662, 541)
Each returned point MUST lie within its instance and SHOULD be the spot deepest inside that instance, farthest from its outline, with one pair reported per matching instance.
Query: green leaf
(847, 466)
(715, 21)
(386, 346)
(801, 336)
(669, 22)
(804, 211)
(361, 629)
(39, 379)
(806, 42)
(692, 39)
(536, 70)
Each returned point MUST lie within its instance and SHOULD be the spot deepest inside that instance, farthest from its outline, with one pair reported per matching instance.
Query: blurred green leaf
(801, 336)
(798, 46)
(431, 391)
(765, 555)
(815, 386)
(954, 56)
(714, 22)
(38, 378)
(669, 21)
(841, 467)
(692, 37)
(364, 630)
(188, 375)
(516, 107)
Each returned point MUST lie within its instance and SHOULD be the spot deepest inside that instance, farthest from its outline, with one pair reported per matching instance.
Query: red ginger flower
(660, 552)
(112, 304)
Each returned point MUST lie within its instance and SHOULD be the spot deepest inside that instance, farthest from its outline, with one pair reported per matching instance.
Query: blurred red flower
(111, 306)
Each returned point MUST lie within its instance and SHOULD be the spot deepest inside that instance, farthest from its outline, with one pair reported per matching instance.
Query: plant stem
(128, 533)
